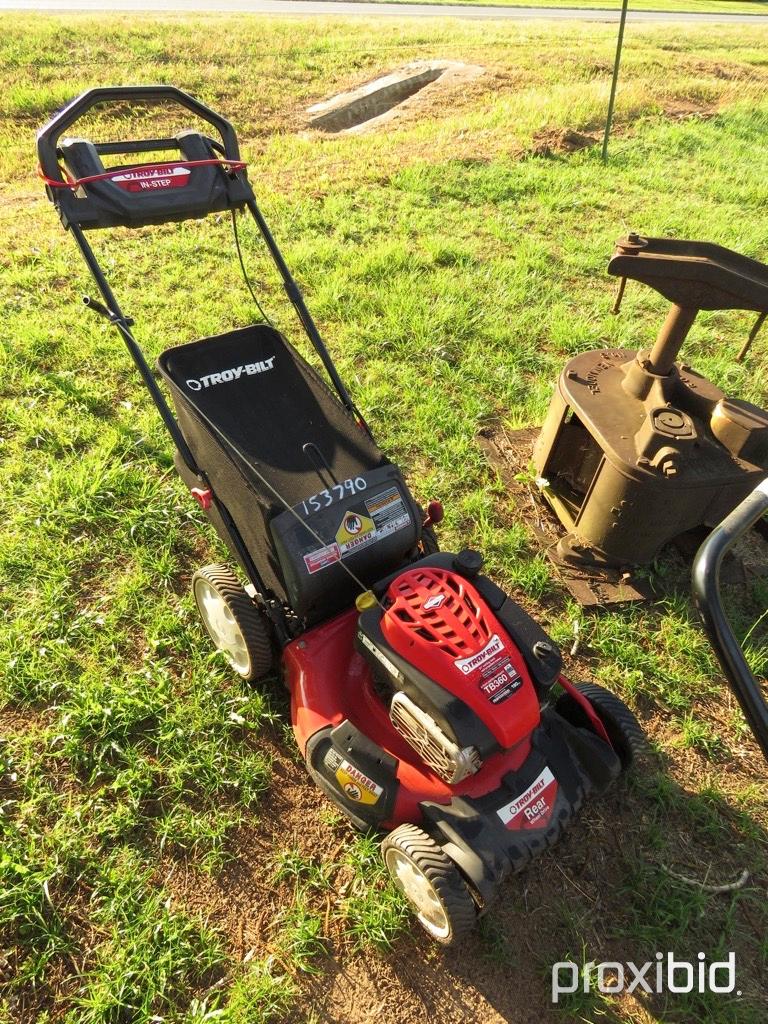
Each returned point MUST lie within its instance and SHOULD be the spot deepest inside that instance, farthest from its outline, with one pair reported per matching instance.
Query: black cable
(246, 278)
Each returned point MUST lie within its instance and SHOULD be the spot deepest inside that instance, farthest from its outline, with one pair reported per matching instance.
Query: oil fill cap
(365, 600)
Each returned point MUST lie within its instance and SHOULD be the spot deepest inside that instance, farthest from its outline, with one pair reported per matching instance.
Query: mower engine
(456, 685)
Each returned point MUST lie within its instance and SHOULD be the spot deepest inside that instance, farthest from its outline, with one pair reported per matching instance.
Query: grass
(452, 270)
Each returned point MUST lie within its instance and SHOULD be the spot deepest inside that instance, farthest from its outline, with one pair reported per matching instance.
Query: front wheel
(234, 623)
(431, 883)
(624, 731)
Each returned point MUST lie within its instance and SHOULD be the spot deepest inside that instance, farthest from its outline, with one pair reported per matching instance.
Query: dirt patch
(728, 71)
(557, 142)
(243, 900)
(379, 101)
(567, 901)
(682, 110)
(418, 90)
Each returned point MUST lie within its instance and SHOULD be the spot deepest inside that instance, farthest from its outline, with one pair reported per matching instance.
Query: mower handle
(48, 136)
(706, 595)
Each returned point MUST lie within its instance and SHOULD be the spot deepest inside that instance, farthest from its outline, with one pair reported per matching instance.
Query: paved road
(344, 7)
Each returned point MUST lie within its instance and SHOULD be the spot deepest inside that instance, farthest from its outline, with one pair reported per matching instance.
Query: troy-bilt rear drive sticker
(321, 558)
(533, 808)
(152, 178)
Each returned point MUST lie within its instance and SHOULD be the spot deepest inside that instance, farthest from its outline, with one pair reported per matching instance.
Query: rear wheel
(234, 623)
(431, 883)
(624, 731)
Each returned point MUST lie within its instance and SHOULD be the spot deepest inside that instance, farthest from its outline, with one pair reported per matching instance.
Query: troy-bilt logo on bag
(152, 178)
(225, 376)
(533, 808)
(491, 649)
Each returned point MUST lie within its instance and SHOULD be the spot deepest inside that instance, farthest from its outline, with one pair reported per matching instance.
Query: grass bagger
(427, 704)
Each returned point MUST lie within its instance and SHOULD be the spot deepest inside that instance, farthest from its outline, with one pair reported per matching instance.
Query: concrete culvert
(381, 99)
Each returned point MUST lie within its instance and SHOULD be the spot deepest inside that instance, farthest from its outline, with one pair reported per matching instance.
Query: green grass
(452, 271)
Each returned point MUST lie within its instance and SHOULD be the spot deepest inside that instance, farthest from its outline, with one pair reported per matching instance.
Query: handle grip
(48, 136)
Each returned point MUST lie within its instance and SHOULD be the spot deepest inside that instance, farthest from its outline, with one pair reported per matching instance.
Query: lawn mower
(638, 448)
(427, 704)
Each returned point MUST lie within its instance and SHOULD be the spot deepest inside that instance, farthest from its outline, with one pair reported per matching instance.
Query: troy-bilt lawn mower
(428, 705)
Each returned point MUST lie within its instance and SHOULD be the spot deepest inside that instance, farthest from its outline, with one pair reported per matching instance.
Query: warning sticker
(356, 531)
(388, 511)
(368, 522)
(357, 785)
(533, 808)
(321, 558)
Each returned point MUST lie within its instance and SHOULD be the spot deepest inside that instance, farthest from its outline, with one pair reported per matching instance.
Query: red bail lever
(435, 513)
(203, 496)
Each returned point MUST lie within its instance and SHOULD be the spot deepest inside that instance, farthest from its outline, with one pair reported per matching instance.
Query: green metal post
(614, 83)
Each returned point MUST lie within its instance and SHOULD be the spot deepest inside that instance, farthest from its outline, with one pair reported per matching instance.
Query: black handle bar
(706, 594)
(48, 136)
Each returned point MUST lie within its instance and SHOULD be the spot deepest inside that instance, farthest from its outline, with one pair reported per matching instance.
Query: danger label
(356, 531)
(533, 808)
(356, 784)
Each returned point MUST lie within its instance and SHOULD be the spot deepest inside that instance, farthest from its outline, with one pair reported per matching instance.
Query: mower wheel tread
(624, 730)
(250, 620)
(443, 876)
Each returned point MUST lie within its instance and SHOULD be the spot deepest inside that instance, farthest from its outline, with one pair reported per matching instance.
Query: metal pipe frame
(708, 600)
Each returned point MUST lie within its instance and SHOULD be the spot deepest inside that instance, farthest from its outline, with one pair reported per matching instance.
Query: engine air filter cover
(437, 621)
(450, 762)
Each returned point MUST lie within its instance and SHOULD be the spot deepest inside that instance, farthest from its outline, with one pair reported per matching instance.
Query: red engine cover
(439, 622)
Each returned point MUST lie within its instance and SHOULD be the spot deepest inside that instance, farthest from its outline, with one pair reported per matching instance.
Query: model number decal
(326, 497)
